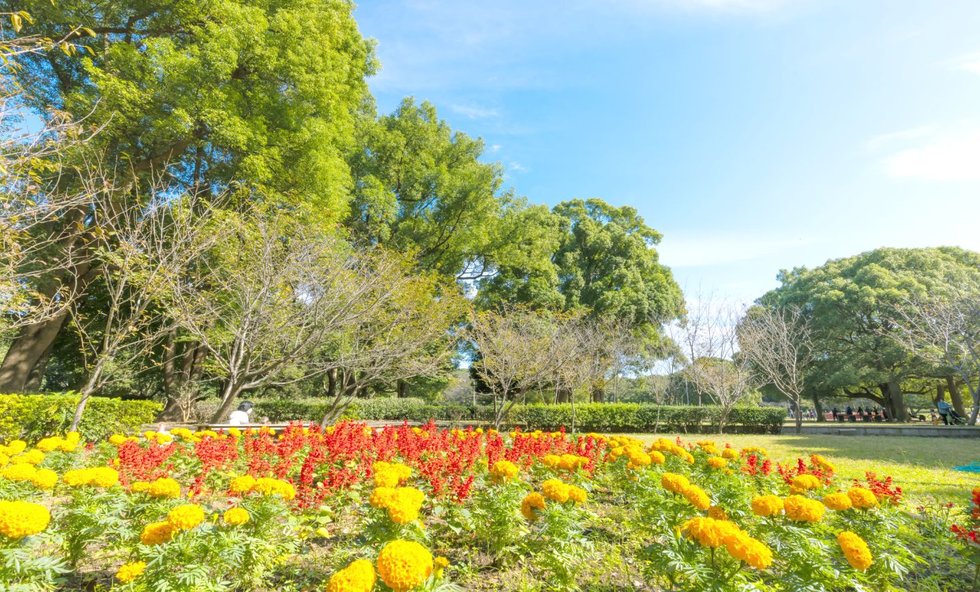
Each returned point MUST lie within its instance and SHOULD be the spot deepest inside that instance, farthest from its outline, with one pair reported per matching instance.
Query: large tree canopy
(258, 94)
(851, 305)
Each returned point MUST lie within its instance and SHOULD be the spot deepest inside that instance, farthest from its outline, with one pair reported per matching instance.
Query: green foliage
(851, 304)
(31, 417)
(589, 417)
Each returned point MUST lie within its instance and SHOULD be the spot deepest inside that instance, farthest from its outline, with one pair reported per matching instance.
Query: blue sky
(755, 135)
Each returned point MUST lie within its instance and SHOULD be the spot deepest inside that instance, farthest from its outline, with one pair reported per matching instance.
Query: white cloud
(948, 156)
(968, 63)
(902, 136)
(517, 167)
(474, 111)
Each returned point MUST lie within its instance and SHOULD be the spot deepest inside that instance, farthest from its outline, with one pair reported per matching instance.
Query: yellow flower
(48, 444)
(44, 479)
(556, 490)
(837, 501)
(717, 462)
(504, 470)
(185, 517)
(270, 486)
(822, 462)
(730, 454)
(19, 519)
(803, 509)
(441, 563)
(767, 505)
(18, 472)
(717, 512)
(357, 577)
(577, 494)
(16, 447)
(674, 483)
(697, 497)
(156, 533)
(752, 551)
(31, 457)
(243, 484)
(117, 439)
(164, 488)
(862, 498)
(855, 550)
(235, 516)
(532, 502)
(130, 571)
(713, 533)
(390, 474)
(403, 565)
(657, 458)
(803, 483)
(104, 477)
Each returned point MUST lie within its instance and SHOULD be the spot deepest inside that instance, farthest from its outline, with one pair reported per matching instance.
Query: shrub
(588, 417)
(31, 417)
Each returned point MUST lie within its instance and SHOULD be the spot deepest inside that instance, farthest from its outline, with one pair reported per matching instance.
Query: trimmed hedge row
(31, 417)
(588, 417)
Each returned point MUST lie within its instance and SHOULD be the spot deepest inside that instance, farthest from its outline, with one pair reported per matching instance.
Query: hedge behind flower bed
(31, 417)
(589, 417)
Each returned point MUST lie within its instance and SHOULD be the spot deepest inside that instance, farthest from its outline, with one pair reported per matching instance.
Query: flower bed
(352, 508)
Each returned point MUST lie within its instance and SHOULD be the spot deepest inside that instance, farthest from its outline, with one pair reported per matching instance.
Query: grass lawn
(922, 467)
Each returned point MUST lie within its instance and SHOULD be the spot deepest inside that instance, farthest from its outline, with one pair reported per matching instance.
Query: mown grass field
(923, 467)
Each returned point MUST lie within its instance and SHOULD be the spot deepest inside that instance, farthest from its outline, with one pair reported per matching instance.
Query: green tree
(852, 305)
(257, 98)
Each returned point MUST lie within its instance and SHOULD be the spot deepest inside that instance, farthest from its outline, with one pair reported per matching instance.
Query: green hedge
(589, 417)
(31, 417)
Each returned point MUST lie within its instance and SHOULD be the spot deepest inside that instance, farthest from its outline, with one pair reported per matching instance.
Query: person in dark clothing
(850, 413)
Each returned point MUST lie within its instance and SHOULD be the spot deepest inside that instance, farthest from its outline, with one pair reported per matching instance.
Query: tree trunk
(36, 379)
(332, 383)
(402, 388)
(818, 408)
(955, 397)
(228, 396)
(797, 413)
(26, 352)
(940, 394)
(598, 394)
(897, 400)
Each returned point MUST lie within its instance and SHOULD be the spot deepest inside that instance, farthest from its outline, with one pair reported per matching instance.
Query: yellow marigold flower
(381, 496)
(855, 550)
(403, 565)
(577, 494)
(164, 488)
(243, 484)
(657, 458)
(804, 483)
(504, 470)
(156, 533)
(440, 563)
(185, 517)
(717, 512)
(752, 551)
(697, 497)
(117, 439)
(31, 457)
(730, 454)
(532, 502)
(44, 479)
(686, 456)
(556, 490)
(48, 444)
(270, 486)
(235, 516)
(572, 462)
(357, 577)
(837, 501)
(104, 477)
(18, 472)
(822, 462)
(16, 447)
(130, 571)
(674, 483)
(717, 462)
(19, 519)
(708, 532)
(550, 460)
(803, 509)
(862, 498)
(390, 474)
(405, 504)
(767, 505)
